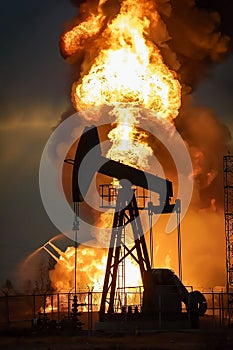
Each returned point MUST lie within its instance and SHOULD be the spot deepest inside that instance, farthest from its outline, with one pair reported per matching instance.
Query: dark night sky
(34, 94)
(216, 91)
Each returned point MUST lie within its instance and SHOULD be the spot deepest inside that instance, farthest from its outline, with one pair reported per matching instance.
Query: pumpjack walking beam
(88, 160)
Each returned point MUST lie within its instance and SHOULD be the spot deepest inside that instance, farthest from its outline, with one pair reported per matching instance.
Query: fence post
(220, 310)
(68, 295)
(160, 311)
(7, 314)
(58, 307)
(44, 306)
(229, 307)
(89, 311)
(223, 309)
(213, 310)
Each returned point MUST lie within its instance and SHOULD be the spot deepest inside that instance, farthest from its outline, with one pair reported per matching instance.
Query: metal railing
(20, 310)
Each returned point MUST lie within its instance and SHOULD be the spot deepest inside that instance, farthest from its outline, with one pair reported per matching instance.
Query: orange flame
(122, 68)
(91, 263)
(127, 143)
(126, 70)
(73, 40)
(129, 67)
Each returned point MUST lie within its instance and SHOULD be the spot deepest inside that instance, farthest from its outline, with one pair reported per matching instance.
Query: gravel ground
(165, 340)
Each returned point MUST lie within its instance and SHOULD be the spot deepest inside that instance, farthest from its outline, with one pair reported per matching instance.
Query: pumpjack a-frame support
(126, 212)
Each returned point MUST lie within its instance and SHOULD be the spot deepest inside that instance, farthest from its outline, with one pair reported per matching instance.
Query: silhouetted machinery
(163, 290)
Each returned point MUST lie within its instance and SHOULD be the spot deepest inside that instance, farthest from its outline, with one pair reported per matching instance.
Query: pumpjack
(88, 160)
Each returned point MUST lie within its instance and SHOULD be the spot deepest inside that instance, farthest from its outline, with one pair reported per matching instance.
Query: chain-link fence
(25, 311)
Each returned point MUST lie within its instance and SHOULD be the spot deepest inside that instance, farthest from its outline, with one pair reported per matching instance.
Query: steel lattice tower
(228, 209)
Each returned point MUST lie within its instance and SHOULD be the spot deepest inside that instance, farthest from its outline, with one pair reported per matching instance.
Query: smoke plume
(190, 42)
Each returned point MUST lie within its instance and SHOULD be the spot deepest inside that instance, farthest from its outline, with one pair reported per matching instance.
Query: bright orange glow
(73, 40)
(127, 71)
(91, 264)
(127, 144)
(124, 69)
(48, 307)
(129, 67)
